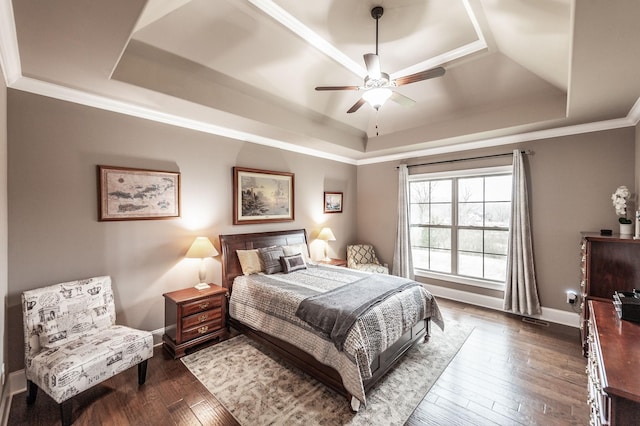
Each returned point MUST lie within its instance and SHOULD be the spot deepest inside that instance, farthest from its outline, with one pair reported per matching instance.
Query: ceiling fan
(377, 84)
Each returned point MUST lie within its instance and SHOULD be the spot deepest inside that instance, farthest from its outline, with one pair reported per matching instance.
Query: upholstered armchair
(72, 342)
(363, 257)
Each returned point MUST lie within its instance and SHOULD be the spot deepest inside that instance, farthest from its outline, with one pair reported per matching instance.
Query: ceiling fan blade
(356, 106)
(419, 76)
(338, 88)
(402, 99)
(372, 62)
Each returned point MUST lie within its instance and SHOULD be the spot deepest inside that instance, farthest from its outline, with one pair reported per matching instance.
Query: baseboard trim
(16, 383)
(557, 316)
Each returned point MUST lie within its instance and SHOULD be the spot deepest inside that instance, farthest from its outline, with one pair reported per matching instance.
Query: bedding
(334, 312)
(269, 303)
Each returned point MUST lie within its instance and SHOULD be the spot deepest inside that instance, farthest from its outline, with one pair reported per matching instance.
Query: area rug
(260, 388)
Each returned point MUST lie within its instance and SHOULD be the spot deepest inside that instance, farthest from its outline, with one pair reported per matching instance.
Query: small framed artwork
(137, 194)
(333, 202)
(262, 196)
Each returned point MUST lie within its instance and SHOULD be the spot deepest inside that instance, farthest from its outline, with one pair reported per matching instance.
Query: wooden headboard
(230, 243)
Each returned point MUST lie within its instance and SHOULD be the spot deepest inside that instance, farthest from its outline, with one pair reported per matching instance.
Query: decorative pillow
(297, 249)
(292, 263)
(271, 259)
(250, 261)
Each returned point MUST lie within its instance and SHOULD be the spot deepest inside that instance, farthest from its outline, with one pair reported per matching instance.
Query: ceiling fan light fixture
(377, 97)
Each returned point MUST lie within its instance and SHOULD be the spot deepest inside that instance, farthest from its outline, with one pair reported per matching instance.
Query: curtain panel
(402, 260)
(521, 291)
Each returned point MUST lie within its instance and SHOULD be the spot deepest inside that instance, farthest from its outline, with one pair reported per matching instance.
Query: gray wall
(54, 235)
(3, 222)
(571, 182)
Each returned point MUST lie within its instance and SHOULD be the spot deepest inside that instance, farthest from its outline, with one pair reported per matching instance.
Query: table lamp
(201, 249)
(327, 235)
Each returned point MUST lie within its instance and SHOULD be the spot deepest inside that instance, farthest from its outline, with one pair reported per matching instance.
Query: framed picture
(261, 196)
(137, 194)
(333, 202)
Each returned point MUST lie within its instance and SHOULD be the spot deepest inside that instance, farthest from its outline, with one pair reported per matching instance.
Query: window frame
(455, 174)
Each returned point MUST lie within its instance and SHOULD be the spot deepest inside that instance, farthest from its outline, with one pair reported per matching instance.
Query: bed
(344, 369)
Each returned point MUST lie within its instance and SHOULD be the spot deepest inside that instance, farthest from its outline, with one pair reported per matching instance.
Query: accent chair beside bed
(286, 303)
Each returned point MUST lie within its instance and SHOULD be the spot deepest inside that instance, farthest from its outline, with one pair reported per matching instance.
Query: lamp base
(202, 286)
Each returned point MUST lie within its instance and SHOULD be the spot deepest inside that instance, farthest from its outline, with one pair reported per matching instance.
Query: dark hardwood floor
(508, 372)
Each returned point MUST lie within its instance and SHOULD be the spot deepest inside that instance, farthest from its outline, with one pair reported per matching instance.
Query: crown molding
(507, 140)
(9, 53)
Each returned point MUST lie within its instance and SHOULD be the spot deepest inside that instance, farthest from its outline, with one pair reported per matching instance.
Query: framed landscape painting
(261, 196)
(333, 202)
(137, 194)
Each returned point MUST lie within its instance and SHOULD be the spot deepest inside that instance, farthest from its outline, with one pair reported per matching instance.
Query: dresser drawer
(201, 329)
(201, 317)
(201, 305)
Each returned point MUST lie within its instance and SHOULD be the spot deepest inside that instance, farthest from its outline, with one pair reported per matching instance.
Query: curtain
(402, 261)
(521, 292)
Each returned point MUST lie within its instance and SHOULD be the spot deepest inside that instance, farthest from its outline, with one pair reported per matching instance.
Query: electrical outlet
(571, 297)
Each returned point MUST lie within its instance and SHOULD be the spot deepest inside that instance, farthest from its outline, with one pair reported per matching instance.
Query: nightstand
(334, 262)
(193, 318)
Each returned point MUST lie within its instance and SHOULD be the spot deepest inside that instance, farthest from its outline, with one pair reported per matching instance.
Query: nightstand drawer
(201, 305)
(201, 329)
(201, 317)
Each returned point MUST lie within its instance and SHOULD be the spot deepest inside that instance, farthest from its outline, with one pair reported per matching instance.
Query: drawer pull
(203, 329)
(204, 305)
(203, 318)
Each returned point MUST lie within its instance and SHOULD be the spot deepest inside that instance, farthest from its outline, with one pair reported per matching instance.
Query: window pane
(495, 267)
(420, 258)
(497, 188)
(441, 191)
(470, 264)
(419, 236)
(419, 213)
(419, 192)
(440, 260)
(440, 238)
(495, 242)
(440, 214)
(470, 214)
(470, 240)
(497, 214)
(470, 189)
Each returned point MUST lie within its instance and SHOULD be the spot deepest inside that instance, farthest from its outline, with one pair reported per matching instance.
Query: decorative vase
(626, 229)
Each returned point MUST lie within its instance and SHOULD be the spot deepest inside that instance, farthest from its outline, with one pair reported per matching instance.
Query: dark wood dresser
(608, 264)
(613, 367)
(193, 318)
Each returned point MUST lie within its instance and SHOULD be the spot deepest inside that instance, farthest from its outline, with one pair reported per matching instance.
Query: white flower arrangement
(619, 199)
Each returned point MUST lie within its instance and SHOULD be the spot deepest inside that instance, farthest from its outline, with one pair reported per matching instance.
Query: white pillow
(250, 261)
(297, 249)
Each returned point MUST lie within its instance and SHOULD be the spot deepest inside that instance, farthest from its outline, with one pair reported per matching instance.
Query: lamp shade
(326, 234)
(201, 248)
(377, 97)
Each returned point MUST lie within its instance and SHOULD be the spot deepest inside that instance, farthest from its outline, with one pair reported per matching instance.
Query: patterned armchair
(363, 257)
(72, 342)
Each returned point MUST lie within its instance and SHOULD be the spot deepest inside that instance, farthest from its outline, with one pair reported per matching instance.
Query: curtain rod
(526, 152)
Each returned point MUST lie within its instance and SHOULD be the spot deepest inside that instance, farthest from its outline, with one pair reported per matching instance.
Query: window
(460, 224)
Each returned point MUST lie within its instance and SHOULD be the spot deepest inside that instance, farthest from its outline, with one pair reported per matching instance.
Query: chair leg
(66, 412)
(142, 372)
(32, 392)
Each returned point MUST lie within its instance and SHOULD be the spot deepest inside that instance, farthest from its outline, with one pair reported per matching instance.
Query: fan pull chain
(377, 134)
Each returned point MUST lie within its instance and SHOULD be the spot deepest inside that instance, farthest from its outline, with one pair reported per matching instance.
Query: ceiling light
(377, 97)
